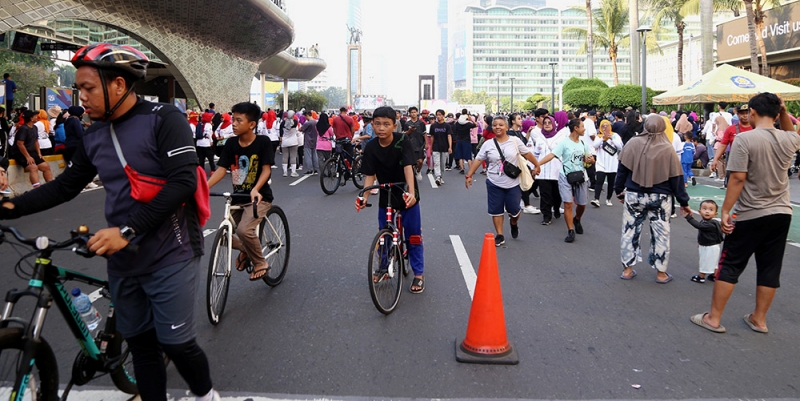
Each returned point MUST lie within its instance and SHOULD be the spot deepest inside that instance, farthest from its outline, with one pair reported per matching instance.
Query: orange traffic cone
(487, 341)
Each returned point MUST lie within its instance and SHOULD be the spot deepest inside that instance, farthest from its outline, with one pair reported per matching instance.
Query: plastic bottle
(84, 306)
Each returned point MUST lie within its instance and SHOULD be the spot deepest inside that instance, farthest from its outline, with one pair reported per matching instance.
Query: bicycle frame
(47, 276)
(228, 222)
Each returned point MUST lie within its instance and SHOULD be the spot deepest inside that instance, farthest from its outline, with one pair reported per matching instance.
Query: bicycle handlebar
(78, 237)
(388, 186)
(239, 196)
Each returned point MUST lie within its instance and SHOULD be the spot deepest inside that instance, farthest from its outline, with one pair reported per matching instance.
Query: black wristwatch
(128, 233)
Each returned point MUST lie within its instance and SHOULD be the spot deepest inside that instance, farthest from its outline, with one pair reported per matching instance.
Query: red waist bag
(145, 188)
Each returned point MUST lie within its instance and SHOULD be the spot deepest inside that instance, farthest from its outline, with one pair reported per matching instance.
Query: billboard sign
(781, 33)
(180, 104)
(369, 102)
(59, 97)
(460, 56)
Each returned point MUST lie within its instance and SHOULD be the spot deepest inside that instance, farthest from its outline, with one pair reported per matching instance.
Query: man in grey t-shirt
(309, 130)
(756, 214)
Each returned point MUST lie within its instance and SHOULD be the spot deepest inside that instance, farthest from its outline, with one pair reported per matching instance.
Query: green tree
(610, 31)
(671, 12)
(584, 98)
(66, 75)
(622, 96)
(311, 100)
(580, 83)
(470, 97)
(27, 59)
(29, 79)
(337, 97)
(534, 101)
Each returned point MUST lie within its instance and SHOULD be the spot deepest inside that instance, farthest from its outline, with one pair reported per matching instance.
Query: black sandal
(417, 282)
(241, 264)
(258, 274)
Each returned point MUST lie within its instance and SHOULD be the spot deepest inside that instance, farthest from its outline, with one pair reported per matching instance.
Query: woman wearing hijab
(607, 145)
(222, 133)
(633, 126)
(544, 141)
(324, 145)
(683, 126)
(649, 175)
(290, 141)
(562, 119)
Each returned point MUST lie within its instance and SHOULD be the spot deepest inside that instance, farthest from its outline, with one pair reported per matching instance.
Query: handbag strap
(117, 148)
(502, 157)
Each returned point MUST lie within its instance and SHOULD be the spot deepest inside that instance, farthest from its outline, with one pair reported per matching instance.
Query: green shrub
(584, 98)
(622, 96)
(581, 83)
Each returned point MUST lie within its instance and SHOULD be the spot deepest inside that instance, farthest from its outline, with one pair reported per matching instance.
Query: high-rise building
(354, 15)
(513, 3)
(519, 43)
(444, 37)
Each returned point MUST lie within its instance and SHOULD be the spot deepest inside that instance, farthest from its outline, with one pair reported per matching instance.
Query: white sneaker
(561, 210)
(274, 167)
(419, 176)
(285, 175)
(608, 203)
(92, 185)
(531, 210)
(294, 174)
(595, 203)
(713, 175)
(211, 396)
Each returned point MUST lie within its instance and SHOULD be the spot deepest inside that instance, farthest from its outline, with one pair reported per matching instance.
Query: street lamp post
(512, 94)
(553, 88)
(643, 34)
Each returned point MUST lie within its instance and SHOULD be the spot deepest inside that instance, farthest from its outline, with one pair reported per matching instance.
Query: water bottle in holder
(83, 304)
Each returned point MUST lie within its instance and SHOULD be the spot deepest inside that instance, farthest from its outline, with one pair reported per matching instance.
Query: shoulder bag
(508, 168)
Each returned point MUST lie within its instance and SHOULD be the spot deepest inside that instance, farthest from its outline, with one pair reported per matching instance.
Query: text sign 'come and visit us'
(781, 33)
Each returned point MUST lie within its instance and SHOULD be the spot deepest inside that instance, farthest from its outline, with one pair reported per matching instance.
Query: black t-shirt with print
(245, 164)
(387, 163)
(417, 136)
(440, 132)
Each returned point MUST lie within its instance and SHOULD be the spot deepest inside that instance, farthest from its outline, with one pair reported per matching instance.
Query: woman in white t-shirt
(544, 141)
(503, 192)
(43, 126)
(607, 145)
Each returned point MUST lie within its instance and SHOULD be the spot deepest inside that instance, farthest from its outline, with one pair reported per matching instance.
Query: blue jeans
(412, 225)
(687, 171)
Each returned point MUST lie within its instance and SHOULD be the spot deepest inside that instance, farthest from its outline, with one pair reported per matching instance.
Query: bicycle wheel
(42, 383)
(385, 272)
(122, 376)
(275, 237)
(329, 176)
(358, 176)
(219, 275)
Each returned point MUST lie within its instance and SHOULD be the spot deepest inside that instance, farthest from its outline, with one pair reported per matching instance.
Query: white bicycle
(274, 235)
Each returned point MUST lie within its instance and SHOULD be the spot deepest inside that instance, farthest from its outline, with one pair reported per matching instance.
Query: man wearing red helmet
(153, 289)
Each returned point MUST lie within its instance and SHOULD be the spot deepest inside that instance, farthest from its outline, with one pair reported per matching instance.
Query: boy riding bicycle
(391, 158)
(250, 159)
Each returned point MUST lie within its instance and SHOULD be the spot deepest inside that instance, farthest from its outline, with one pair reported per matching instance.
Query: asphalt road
(580, 331)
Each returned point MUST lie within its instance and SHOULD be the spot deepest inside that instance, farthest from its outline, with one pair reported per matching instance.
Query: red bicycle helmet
(107, 55)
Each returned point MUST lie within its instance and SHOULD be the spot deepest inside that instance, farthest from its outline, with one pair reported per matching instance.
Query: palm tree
(589, 38)
(610, 23)
(670, 11)
(758, 19)
(706, 10)
(751, 29)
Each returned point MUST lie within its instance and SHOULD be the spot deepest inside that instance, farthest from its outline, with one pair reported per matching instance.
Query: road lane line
(303, 178)
(466, 265)
(432, 180)
(209, 231)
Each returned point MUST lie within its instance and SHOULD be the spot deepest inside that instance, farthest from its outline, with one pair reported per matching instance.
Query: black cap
(592, 112)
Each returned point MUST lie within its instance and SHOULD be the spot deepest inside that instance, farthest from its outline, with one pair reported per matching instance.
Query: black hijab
(323, 124)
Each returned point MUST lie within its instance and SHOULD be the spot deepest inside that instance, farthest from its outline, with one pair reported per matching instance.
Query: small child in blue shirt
(687, 158)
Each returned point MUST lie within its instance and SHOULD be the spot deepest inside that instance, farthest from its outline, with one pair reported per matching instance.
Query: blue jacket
(687, 157)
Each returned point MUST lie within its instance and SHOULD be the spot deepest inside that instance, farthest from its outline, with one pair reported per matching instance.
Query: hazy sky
(391, 29)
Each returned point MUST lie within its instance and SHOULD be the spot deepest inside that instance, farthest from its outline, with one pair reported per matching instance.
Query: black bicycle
(388, 256)
(341, 167)
(28, 367)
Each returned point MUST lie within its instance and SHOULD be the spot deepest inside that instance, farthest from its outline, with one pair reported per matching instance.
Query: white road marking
(470, 277)
(794, 244)
(209, 231)
(432, 180)
(303, 178)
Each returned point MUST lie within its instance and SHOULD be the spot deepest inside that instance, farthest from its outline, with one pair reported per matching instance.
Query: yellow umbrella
(727, 84)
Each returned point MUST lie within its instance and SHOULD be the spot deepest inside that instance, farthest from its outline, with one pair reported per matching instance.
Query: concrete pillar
(261, 101)
(285, 94)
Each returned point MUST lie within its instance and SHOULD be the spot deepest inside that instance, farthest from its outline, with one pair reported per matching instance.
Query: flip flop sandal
(622, 276)
(698, 320)
(669, 278)
(753, 325)
(258, 274)
(380, 276)
(241, 264)
(417, 282)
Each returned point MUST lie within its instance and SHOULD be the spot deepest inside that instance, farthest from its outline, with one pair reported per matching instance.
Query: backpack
(198, 131)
